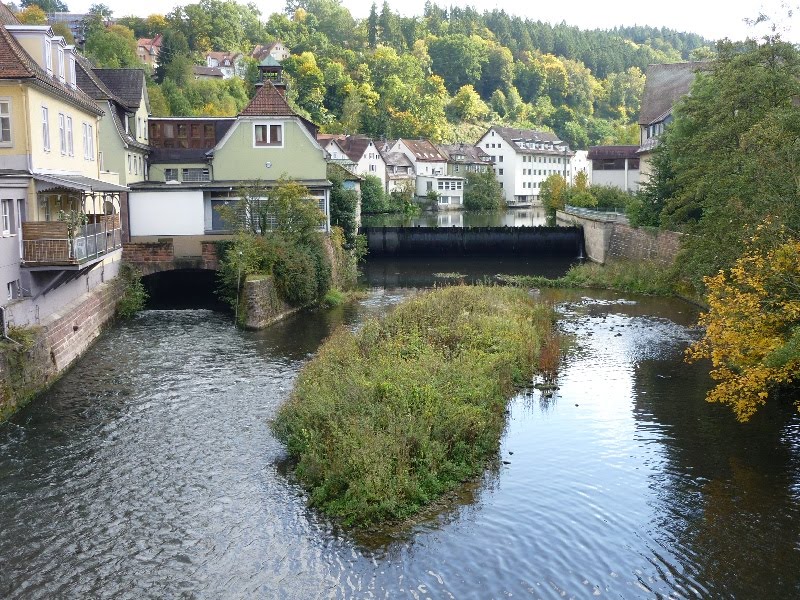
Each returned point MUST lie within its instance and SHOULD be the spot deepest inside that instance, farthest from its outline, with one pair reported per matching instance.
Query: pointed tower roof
(268, 102)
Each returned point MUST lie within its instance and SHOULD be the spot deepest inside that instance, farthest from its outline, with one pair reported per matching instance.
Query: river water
(148, 471)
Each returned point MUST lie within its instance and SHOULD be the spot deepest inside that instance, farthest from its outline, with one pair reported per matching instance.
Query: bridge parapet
(156, 257)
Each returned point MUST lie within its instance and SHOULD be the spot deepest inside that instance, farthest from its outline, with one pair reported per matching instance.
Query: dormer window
(61, 74)
(73, 79)
(48, 56)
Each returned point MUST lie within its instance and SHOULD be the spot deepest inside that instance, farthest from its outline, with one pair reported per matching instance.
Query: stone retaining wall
(260, 305)
(58, 342)
(606, 240)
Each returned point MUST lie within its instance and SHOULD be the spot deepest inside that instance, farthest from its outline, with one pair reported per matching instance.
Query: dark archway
(183, 289)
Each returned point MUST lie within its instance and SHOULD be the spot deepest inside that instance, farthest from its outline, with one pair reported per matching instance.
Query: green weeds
(384, 421)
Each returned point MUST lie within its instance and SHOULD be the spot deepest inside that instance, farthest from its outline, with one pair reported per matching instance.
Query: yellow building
(60, 220)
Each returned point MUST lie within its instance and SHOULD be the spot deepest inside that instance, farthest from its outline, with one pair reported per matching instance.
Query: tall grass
(384, 421)
(635, 277)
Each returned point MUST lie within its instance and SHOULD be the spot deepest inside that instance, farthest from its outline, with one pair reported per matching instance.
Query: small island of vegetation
(384, 421)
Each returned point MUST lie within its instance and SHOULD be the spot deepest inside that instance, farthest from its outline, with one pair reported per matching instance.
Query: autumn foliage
(752, 327)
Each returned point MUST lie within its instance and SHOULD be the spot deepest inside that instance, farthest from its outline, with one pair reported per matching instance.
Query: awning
(75, 182)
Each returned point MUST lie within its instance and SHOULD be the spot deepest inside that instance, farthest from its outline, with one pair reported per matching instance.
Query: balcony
(48, 244)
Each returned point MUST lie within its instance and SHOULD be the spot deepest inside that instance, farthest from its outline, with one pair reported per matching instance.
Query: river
(148, 471)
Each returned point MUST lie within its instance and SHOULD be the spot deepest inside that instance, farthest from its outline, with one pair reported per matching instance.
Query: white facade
(450, 190)
(522, 166)
(627, 178)
(581, 163)
(167, 213)
(371, 163)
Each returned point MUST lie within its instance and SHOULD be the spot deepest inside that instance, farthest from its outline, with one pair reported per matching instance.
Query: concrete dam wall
(466, 241)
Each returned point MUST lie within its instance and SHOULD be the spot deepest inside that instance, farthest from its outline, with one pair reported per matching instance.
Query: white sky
(713, 19)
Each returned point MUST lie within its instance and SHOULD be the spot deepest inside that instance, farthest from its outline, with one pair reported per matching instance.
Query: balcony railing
(47, 243)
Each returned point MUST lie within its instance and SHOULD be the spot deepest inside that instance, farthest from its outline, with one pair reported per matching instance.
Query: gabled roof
(7, 17)
(346, 170)
(221, 56)
(355, 146)
(150, 44)
(664, 85)
(127, 84)
(15, 63)
(518, 139)
(207, 71)
(471, 154)
(90, 83)
(396, 159)
(424, 150)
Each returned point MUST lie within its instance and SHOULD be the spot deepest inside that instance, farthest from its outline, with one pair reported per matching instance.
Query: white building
(616, 166)
(580, 163)
(523, 159)
(430, 167)
(360, 149)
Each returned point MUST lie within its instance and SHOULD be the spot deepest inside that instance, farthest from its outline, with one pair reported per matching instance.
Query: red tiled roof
(268, 102)
(15, 63)
(6, 16)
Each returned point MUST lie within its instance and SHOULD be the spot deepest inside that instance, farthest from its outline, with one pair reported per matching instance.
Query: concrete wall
(59, 341)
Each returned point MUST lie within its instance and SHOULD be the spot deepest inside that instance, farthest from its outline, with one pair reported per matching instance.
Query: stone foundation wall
(58, 342)
(629, 243)
(260, 305)
(607, 240)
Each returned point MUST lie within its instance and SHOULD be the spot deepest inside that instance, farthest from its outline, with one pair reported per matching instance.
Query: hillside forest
(443, 75)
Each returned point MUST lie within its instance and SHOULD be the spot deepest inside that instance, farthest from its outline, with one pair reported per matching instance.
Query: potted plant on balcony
(74, 220)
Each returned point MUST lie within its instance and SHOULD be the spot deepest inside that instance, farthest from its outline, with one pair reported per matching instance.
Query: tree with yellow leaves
(752, 327)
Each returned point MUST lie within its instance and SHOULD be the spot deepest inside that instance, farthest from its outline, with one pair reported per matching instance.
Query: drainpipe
(5, 327)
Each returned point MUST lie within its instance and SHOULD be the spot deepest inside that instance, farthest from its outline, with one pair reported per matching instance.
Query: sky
(713, 19)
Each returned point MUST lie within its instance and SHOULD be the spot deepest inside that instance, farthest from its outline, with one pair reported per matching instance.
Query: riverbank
(384, 421)
(636, 277)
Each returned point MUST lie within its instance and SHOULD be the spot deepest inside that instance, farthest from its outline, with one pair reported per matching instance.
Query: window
(88, 142)
(45, 129)
(170, 174)
(61, 64)
(456, 168)
(6, 217)
(73, 80)
(5, 122)
(70, 144)
(130, 164)
(372, 168)
(268, 135)
(48, 56)
(195, 175)
(500, 171)
(62, 133)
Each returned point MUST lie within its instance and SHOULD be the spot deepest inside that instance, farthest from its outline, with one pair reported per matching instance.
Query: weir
(474, 241)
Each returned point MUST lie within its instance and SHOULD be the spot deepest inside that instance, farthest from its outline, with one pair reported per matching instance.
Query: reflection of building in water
(454, 219)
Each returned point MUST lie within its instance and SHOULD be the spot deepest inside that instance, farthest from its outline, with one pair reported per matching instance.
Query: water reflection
(149, 471)
(513, 217)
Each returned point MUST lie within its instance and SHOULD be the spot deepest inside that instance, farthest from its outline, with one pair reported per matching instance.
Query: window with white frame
(267, 135)
(70, 141)
(88, 141)
(73, 80)
(48, 56)
(62, 133)
(372, 168)
(170, 174)
(5, 122)
(60, 66)
(130, 164)
(46, 129)
(6, 210)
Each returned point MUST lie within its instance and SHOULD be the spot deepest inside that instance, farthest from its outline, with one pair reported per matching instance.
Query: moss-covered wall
(50, 349)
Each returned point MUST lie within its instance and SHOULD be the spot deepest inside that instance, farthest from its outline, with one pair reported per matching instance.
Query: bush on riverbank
(624, 276)
(384, 421)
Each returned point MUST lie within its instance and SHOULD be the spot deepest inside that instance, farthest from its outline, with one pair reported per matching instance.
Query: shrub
(134, 295)
(385, 420)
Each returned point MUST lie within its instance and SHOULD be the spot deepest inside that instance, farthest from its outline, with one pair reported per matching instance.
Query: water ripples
(149, 471)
